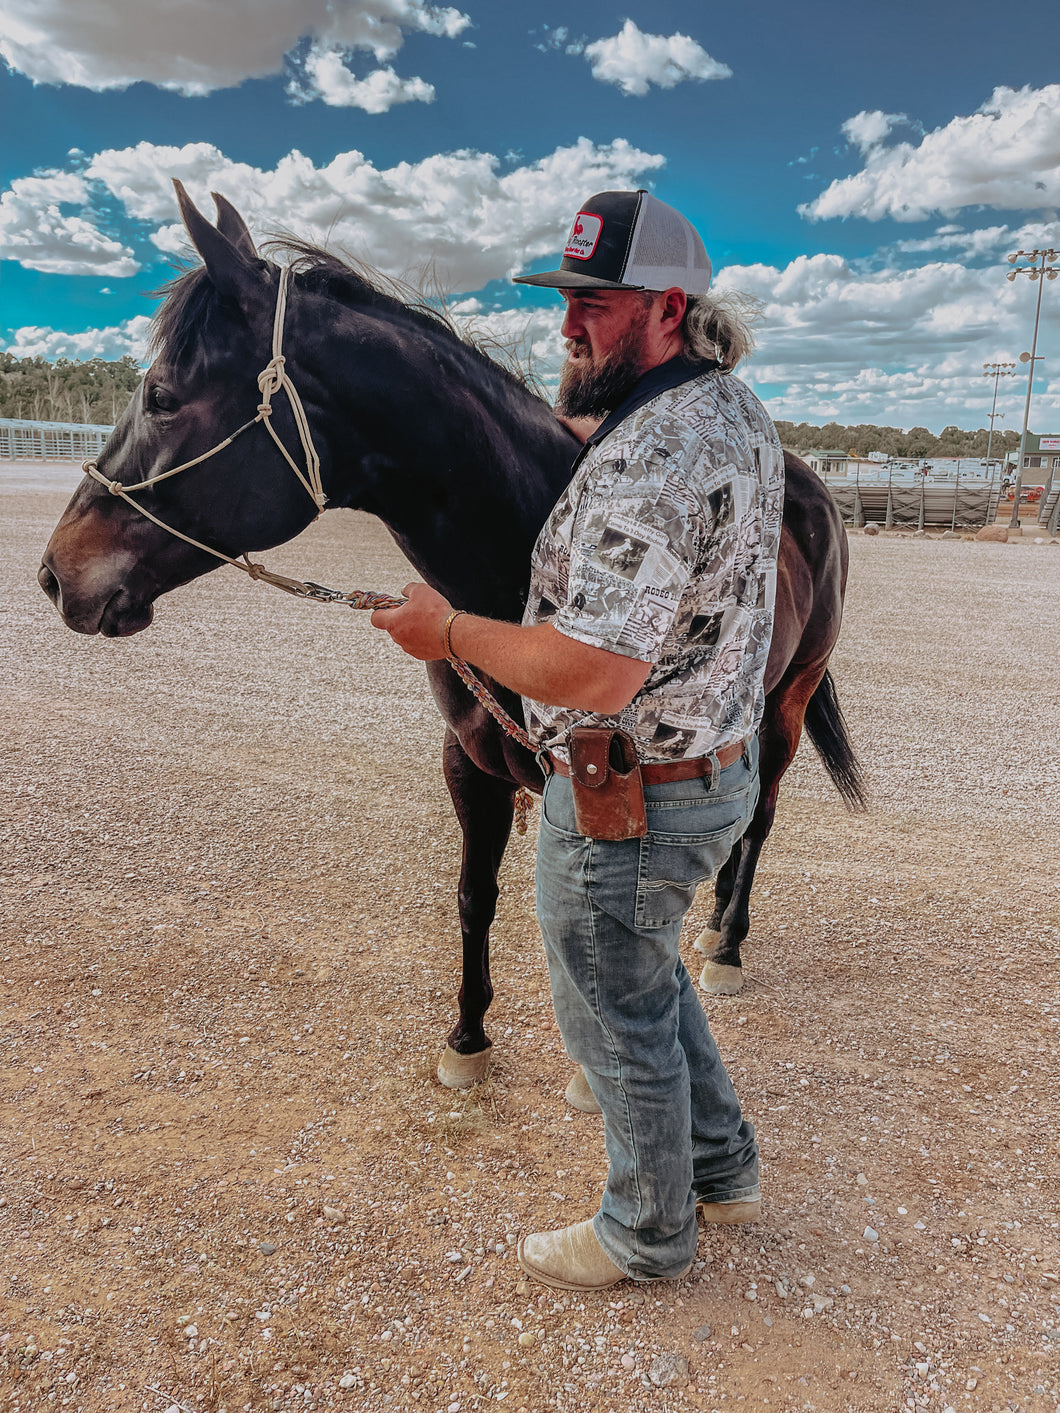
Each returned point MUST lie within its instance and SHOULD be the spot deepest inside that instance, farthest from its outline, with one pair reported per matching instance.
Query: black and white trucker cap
(629, 240)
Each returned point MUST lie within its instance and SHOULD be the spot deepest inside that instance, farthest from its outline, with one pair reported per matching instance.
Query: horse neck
(462, 463)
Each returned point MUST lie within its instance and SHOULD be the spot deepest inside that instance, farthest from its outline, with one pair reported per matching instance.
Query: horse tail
(827, 729)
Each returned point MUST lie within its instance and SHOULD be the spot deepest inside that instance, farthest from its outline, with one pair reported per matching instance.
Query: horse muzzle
(92, 603)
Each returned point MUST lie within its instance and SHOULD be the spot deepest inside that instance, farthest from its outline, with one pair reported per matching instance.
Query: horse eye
(158, 400)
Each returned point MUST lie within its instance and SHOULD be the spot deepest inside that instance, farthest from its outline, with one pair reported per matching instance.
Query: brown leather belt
(659, 772)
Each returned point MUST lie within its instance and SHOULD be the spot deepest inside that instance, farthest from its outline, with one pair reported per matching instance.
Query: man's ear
(672, 305)
(232, 269)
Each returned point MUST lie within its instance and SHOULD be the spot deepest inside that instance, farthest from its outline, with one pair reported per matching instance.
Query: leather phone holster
(605, 778)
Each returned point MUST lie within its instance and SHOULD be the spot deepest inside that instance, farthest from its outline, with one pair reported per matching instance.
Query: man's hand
(418, 625)
(535, 661)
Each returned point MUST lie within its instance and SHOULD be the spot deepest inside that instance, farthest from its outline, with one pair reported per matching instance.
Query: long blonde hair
(718, 327)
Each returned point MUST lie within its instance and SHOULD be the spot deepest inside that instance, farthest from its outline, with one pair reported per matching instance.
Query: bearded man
(640, 659)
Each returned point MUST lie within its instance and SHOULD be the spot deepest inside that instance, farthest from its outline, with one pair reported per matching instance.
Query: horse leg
(724, 883)
(778, 738)
(484, 808)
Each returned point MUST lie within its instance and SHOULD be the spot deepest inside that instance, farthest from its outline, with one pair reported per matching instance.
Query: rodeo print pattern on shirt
(663, 548)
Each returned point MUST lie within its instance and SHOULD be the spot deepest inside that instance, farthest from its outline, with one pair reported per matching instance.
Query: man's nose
(572, 327)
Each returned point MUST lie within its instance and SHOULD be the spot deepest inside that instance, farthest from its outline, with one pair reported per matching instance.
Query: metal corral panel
(1047, 506)
(50, 441)
(968, 502)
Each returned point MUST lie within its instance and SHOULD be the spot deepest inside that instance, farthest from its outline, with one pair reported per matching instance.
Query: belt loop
(544, 760)
(715, 770)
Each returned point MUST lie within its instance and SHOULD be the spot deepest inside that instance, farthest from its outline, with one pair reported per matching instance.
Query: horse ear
(228, 265)
(231, 224)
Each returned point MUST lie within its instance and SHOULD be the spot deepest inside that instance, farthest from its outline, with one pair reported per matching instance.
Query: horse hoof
(578, 1094)
(457, 1071)
(707, 941)
(719, 980)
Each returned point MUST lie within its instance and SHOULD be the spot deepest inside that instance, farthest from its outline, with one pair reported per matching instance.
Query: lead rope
(365, 598)
(272, 379)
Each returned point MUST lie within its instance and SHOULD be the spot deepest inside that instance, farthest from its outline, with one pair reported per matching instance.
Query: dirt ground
(228, 955)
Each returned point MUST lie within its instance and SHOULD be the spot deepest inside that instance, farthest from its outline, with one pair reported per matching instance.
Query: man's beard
(593, 387)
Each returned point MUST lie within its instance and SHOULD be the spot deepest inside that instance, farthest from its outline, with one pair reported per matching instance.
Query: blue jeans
(610, 915)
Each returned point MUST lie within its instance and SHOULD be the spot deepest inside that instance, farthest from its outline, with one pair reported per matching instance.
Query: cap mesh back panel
(661, 241)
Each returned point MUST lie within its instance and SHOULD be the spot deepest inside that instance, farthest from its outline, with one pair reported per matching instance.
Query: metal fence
(896, 496)
(50, 441)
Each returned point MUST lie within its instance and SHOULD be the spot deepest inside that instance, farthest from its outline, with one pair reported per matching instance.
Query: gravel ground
(228, 956)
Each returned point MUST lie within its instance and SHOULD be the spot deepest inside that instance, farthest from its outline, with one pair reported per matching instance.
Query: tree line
(67, 390)
(96, 391)
(892, 441)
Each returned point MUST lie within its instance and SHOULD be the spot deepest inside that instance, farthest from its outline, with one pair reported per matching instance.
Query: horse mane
(191, 305)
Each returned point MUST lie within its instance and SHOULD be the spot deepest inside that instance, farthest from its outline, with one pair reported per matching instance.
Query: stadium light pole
(1041, 269)
(998, 370)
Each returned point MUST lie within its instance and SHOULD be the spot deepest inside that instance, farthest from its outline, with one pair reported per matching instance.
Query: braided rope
(367, 599)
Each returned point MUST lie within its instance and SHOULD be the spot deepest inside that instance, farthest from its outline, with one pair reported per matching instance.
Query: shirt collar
(655, 381)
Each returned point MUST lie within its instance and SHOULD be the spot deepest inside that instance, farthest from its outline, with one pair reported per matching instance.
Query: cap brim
(564, 279)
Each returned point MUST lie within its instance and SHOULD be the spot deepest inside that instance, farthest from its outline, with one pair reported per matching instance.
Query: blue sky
(862, 171)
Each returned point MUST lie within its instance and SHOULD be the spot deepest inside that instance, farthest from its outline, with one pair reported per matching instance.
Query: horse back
(811, 575)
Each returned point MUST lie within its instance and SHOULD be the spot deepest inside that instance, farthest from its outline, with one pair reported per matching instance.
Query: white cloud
(867, 129)
(895, 347)
(197, 46)
(633, 60)
(40, 235)
(458, 213)
(327, 78)
(899, 348)
(110, 343)
(528, 338)
(985, 243)
(560, 38)
(1006, 155)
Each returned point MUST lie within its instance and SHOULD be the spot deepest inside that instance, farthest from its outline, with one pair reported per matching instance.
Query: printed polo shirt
(664, 548)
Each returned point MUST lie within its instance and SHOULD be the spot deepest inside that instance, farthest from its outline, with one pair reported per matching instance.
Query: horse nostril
(48, 582)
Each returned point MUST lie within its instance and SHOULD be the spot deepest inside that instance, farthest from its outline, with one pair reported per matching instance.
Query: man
(650, 609)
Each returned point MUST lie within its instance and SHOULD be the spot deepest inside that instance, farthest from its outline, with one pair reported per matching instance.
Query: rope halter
(271, 380)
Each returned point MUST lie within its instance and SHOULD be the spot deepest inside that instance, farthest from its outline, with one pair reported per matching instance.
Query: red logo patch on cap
(584, 236)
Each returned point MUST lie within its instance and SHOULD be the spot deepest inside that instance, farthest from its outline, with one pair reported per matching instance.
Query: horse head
(108, 560)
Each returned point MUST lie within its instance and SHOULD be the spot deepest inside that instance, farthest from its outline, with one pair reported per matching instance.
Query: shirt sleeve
(638, 535)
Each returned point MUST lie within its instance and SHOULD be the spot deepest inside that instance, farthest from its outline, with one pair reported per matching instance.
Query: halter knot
(270, 380)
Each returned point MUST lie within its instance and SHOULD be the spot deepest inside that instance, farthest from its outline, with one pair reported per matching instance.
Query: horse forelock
(187, 325)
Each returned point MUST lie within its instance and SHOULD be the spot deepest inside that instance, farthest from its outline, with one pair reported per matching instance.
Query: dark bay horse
(461, 462)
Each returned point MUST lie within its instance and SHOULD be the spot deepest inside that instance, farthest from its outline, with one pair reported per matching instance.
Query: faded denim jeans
(610, 915)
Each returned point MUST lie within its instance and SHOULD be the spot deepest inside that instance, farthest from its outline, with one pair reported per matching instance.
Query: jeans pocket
(673, 865)
(557, 809)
